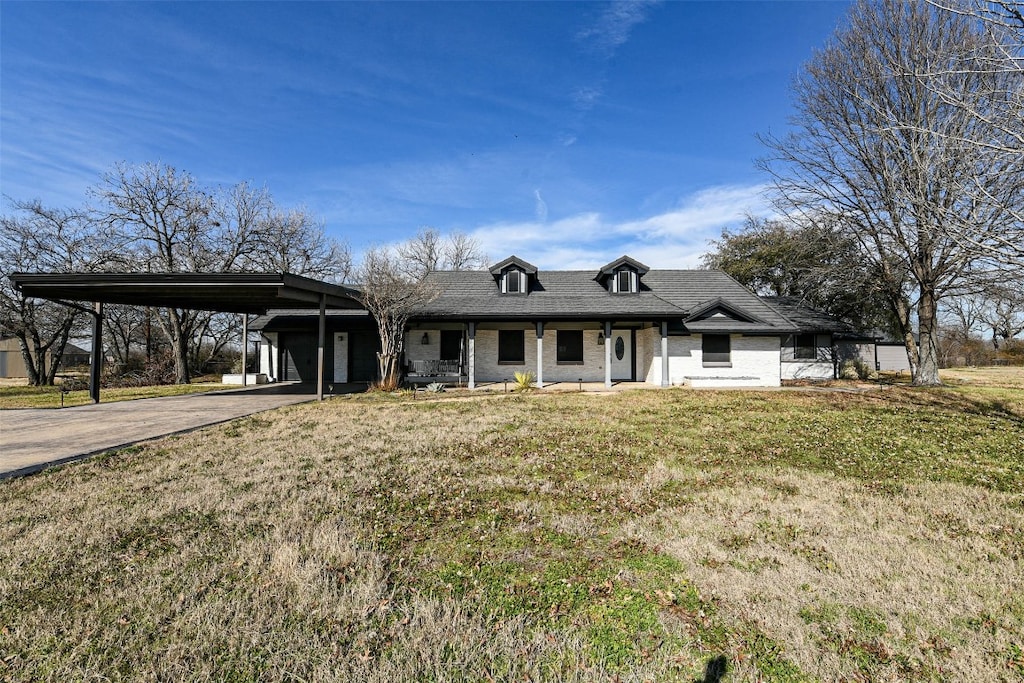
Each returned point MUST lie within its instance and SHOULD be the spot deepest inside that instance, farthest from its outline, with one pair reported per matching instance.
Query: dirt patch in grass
(651, 535)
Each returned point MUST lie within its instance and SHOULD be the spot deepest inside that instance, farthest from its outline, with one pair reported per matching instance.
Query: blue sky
(567, 133)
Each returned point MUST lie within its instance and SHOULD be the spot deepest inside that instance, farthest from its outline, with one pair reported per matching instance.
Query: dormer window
(625, 282)
(513, 275)
(622, 276)
(513, 281)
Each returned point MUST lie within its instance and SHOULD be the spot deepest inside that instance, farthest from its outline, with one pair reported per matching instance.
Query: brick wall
(755, 362)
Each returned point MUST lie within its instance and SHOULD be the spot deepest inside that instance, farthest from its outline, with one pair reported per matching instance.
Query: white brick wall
(488, 369)
(755, 357)
(415, 349)
(804, 369)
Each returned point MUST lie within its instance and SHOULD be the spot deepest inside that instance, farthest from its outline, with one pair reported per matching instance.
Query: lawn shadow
(715, 670)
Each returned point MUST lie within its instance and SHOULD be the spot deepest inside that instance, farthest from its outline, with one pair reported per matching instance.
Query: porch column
(608, 354)
(540, 355)
(96, 361)
(471, 355)
(320, 348)
(245, 346)
(664, 353)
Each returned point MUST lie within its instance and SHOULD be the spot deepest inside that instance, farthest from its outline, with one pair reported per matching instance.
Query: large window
(570, 346)
(511, 347)
(716, 351)
(804, 347)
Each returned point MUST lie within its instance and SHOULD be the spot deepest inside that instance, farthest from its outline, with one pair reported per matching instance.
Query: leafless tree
(124, 331)
(1004, 312)
(168, 222)
(295, 242)
(462, 252)
(878, 152)
(429, 251)
(998, 106)
(391, 296)
(41, 239)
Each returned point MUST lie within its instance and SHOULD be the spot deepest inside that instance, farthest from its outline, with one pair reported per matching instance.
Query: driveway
(33, 439)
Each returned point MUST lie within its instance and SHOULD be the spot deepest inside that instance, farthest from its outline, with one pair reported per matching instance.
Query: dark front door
(451, 345)
(298, 356)
(362, 356)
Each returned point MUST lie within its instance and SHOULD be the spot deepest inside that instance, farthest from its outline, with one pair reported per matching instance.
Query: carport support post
(664, 353)
(96, 362)
(471, 355)
(320, 349)
(608, 354)
(245, 346)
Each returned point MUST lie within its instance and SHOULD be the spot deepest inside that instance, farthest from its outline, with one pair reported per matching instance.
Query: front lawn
(668, 535)
(50, 397)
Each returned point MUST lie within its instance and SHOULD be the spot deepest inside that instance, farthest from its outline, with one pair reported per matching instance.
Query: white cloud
(585, 97)
(542, 207)
(613, 27)
(676, 238)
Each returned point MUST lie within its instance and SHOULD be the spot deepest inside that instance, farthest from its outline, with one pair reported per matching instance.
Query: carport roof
(224, 292)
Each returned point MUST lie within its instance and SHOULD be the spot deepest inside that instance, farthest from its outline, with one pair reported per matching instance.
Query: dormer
(513, 275)
(622, 276)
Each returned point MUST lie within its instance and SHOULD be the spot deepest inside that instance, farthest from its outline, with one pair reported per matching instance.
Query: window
(715, 350)
(511, 347)
(624, 281)
(513, 282)
(570, 347)
(804, 347)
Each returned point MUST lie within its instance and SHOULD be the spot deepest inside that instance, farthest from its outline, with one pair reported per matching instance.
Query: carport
(243, 293)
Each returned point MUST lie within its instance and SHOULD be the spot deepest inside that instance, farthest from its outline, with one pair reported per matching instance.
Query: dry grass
(658, 535)
(1006, 376)
(21, 395)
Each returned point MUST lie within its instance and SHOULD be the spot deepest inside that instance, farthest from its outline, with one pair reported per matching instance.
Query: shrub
(525, 381)
(855, 368)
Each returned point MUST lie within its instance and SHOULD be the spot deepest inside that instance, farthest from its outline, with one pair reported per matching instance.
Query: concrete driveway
(33, 439)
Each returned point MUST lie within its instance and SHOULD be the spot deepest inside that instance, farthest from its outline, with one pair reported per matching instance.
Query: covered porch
(573, 352)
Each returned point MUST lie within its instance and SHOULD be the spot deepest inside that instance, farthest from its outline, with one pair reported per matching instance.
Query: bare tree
(462, 252)
(1004, 312)
(41, 239)
(166, 219)
(295, 242)
(429, 251)
(391, 296)
(168, 222)
(124, 331)
(877, 152)
(998, 107)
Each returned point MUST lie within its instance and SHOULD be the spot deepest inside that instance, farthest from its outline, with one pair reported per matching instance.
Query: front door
(623, 367)
(451, 345)
(298, 351)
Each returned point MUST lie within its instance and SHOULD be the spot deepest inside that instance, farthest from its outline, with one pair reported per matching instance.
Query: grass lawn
(50, 397)
(671, 535)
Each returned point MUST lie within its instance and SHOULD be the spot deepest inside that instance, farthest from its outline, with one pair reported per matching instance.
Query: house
(622, 322)
(12, 363)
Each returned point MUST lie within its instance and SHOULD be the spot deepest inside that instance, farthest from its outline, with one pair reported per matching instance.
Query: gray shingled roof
(809, 319)
(552, 294)
(576, 295)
